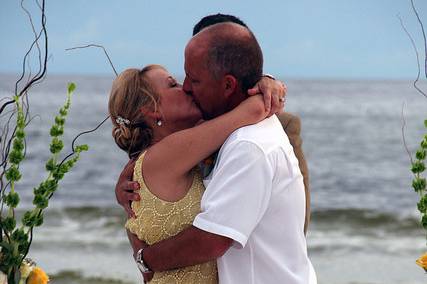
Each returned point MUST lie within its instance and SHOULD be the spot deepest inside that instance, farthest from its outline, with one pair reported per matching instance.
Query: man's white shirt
(255, 196)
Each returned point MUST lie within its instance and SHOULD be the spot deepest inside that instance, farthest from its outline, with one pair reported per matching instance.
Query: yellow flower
(37, 276)
(422, 261)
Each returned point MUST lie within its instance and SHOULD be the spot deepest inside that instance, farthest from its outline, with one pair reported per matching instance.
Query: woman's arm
(179, 152)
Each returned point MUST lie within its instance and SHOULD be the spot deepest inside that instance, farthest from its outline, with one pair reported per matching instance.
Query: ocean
(365, 226)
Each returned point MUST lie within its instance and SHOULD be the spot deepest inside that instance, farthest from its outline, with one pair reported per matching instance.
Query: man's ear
(230, 85)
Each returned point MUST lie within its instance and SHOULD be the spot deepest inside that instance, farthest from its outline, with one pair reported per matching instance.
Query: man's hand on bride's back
(125, 188)
(273, 92)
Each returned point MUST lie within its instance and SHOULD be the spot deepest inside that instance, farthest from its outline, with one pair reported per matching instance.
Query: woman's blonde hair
(130, 92)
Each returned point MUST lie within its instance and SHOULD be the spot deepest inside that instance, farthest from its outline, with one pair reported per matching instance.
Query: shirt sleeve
(238, 193)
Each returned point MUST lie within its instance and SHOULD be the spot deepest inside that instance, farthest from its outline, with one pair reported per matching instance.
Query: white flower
(25, 270)
(3, 278)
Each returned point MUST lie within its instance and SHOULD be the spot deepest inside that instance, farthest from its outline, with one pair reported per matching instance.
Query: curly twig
(403, 135)
(424, 35)
(417, 55)
(100, 46)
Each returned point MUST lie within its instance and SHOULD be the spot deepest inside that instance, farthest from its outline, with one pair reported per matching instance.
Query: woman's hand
(253, 108)
(273, 92)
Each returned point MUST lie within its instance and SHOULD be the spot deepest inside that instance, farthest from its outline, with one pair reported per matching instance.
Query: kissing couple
(213, 189)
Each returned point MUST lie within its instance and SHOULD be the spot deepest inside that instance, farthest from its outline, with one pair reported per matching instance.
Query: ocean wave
(365, 220)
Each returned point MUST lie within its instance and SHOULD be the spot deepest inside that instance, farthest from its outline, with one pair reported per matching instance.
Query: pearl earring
(159, 122)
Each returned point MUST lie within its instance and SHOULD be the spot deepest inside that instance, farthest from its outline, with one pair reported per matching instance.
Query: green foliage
(40, 201)
(422, 204)
(424, 221)
(15, 246)
(12, 199)
(13, 174)
(8, 223)
(56, 145)
(418, 167)
(419, 183)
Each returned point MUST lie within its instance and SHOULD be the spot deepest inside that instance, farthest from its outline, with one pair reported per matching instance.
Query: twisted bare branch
(424, 35)
(100, 46)
(417, 56)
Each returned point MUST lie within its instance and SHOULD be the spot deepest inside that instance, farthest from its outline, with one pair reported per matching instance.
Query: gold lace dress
(157, 220)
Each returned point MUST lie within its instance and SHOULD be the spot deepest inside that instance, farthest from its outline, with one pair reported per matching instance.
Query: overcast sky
(359, 39)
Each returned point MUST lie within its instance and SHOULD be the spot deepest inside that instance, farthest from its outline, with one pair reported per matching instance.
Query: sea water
(365, 226)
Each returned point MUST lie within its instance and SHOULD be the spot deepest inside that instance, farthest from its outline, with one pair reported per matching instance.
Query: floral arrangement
(419, 184)
(15, 241)
(30, 274)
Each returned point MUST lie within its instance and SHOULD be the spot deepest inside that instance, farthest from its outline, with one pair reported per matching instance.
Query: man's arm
(190, 247)
(125, 189)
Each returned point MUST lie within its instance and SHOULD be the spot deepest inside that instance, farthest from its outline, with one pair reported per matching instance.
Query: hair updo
(130, 92)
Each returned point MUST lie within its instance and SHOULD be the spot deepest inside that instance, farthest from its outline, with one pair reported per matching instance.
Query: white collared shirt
(255, 196)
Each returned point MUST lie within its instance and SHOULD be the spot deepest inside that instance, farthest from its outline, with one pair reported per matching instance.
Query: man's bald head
(230, 48)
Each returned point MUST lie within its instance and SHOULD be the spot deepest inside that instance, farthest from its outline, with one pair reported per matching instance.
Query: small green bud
(20, 134)
(20, 122)
(28, 219)
(424, 143)
(69, 164)
(56, 130)
(9, 224)
(59, 120)
(63, 111)
(421, 154)
(65, 167)
(81, 148)
(422, 204)
(418, 167)
(19, 235)
(42, 189)
(419, 184)
(50, 165)
(71, 87)
(424, 221)
(12, 199)
(58, 175)
(425, 123)
(23, 246)
(56, 145)
(18, 144)
(38, 221)
(13, 174)
(16, 156)
(51, 186)
(40, 201)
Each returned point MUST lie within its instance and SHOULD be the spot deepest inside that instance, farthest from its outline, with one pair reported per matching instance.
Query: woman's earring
(159, 122)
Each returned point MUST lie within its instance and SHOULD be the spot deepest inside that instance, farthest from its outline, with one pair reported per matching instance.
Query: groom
(253, 208)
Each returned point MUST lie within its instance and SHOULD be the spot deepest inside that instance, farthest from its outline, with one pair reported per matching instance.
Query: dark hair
(216, 19)
(240, 56)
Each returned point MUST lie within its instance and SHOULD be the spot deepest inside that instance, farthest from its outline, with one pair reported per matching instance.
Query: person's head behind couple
(222, 61)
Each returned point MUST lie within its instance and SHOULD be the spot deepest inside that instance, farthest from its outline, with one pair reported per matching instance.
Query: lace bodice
(158, 219)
